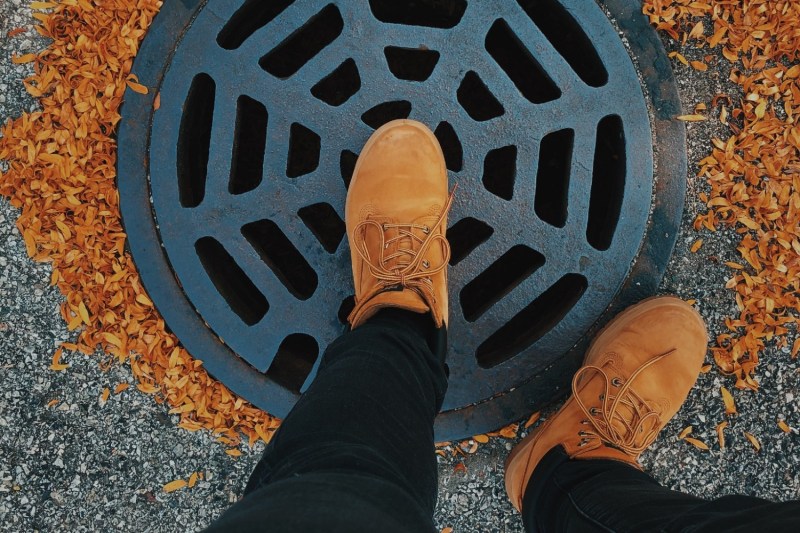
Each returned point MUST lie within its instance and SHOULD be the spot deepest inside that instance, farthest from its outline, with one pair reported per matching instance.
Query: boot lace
(405, 267)
(625, 420)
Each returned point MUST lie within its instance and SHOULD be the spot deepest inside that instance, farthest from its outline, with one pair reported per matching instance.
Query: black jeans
(357, 454)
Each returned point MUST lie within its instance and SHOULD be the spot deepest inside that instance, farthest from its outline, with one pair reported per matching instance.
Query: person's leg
(605, 495)
(356, 453)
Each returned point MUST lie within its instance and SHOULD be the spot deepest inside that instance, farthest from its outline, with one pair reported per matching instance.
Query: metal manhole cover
(233, 191)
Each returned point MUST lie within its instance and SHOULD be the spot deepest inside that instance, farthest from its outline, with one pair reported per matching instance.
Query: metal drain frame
(648, 267)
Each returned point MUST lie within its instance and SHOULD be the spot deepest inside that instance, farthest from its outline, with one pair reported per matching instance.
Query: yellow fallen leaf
(679, 57)
(137, 87)
(56, 364)
(233, 453)
(700, 445)
(104, 396)
(172, 486)
(533, 419)
(720, 435)
(157, 102)
(691, 118)
(51, 403)
(784, 426)
(761, 109)
(483, 439)
(24, 58)
(112, 339)
(120, 388)
(705, 369)
(697, 30)
(685, 432)
(699, 65)
(144, 300)
(42, 5)
(510, 431)
(192, 479)
(753, 441)
(727, 398)
(696, 245)
(84, 314)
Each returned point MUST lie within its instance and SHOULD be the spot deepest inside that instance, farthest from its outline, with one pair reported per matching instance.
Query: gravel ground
(69, 461)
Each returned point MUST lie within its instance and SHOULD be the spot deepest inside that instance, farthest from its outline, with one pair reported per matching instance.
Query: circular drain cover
(233, 191)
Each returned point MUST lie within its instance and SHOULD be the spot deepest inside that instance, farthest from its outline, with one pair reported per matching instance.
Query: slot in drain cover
(233, 191)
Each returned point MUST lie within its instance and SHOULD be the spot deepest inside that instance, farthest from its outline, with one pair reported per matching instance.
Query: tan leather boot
(396, 216)
(636, 375)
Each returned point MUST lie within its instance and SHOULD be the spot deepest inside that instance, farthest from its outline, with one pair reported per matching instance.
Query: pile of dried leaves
(62, 175)
(754, 175)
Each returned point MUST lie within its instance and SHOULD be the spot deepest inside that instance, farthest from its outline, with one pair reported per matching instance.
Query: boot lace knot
(624, 420)
(401, 262)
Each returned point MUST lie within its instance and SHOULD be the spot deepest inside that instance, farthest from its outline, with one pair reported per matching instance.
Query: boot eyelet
(426, 230)
(616, 382)
(384, 227)
(602, 397)
(426, 264)
(594, 411)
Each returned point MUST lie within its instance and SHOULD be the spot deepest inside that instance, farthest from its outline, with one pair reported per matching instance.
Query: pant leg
(605, 495)
(356, 453)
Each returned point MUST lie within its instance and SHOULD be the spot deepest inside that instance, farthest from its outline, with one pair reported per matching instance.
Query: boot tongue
(625, 418)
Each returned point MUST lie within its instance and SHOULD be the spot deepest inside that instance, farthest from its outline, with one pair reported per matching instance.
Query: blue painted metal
(162, 233)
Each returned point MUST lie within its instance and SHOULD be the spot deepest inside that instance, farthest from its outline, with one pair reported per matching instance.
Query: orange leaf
(720, 435)
(56, 364)
(700, 445)
(784, 426)
(795, 347)
(25, 58)
(727, 398)
(192, 479)
(137, 87)
(104, 396)
(753, 441)
(696, 245)
(16, 31)
(533, 419)
(679, 57)
(84, 314)
(483, 439)
(172, 486)
(691, 118)
(233, 452)
(685, 432)
(120, 388)
(144, 300)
